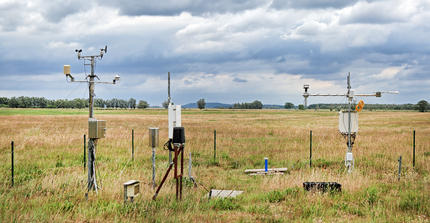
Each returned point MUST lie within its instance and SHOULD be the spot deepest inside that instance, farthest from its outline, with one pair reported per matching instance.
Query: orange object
(360, 106)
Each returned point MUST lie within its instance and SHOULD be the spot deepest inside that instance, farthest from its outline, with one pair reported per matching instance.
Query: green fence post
(12, 161)
(214, 146)
(310, 150)
(85, 150)
(414, 149)
(132, 144)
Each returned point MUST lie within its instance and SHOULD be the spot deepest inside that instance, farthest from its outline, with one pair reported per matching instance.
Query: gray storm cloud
(272, 47)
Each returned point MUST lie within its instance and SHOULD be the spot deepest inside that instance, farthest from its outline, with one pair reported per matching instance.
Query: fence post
(414, 150)
(12, 161)
(214, 146)
(310, 149)
(85, 149)
(400, 166)
(132, 144)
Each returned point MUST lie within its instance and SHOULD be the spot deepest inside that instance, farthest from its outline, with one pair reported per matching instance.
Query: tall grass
(50, 177)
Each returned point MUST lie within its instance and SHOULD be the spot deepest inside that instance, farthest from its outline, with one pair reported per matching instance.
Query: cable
(199, 182)
(340, 105)
(17, 147)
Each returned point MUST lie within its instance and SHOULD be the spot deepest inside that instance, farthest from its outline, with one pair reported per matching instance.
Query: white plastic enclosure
(174, 118)
(343, 122)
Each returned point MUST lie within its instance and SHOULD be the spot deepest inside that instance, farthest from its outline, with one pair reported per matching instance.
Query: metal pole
(349, 114)
(310, 149)
(414, 150)
(153, 167)
(182, 171)
(12, 162)
(176, 169)
(92, 184)
(214, 146)
(125, 194)
(189, 169)
(132, 144)
(168, 87)
(85, 151)
(91, 88)
(400, 165)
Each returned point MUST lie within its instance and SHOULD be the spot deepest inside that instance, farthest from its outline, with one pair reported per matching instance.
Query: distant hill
(273, 107)
(218, 105)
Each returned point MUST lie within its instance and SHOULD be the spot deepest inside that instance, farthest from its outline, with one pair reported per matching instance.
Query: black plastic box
(322, 186)
(178, 135)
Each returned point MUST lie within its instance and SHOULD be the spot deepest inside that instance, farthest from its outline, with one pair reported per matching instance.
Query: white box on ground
(132, 188)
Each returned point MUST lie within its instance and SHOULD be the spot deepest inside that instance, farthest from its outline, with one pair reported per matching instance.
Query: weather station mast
(348, 120)
(96, 128)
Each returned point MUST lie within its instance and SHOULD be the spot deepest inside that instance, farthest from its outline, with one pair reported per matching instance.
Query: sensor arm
(376, 94)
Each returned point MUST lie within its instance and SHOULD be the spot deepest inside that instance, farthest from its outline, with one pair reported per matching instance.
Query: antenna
(96, 128)
(350, 129)
(168, 88)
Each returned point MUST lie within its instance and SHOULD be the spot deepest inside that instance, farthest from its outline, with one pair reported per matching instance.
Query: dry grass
(50, 178)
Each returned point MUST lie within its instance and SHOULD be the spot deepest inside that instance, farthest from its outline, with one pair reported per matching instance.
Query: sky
(222, 51)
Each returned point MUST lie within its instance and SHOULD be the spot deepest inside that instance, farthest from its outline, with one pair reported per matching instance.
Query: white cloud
(62, 45)
(388, 73)
(382, 12)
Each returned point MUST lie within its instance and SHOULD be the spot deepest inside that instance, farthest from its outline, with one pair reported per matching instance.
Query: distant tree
(132, 103)
(66, 104)
(289, 105)
(114, 102)
(422, 106)
(331, 107)
(43, 103)
(4, 100)
(24, 102)
(317, 108)
(142, 104)
(201, 103)
(13, 102)
(34, 102)
(257, 104)
(165, 104)
(98, 102)
(122, 103)
(78, 103)
(301, 107)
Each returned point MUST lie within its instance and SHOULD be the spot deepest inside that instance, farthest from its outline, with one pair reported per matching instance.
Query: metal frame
(179, 150)
(349, 159)
(92, 142)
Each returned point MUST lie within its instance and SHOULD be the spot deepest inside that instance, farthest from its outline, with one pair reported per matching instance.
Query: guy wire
(140, 142)
(38, 126)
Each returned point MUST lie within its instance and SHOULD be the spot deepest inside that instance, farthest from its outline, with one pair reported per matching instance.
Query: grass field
(50, 177)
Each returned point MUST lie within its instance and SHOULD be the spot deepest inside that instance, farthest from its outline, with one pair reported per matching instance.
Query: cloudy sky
(223, 51)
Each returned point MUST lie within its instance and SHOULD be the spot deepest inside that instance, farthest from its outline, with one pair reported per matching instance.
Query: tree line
(201, 104)
(254, 105)
(41, 102)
